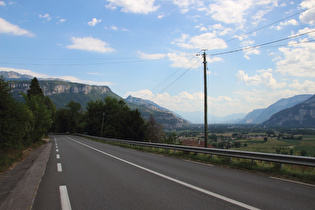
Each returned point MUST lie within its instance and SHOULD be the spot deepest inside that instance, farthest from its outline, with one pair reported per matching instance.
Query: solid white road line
(58, 156)
(59, 168)
(172, 179)
(64, 197)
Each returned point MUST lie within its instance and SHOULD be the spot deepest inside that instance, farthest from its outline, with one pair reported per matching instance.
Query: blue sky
(147, 49)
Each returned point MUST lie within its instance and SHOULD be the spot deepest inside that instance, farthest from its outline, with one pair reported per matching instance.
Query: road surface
(83, 174)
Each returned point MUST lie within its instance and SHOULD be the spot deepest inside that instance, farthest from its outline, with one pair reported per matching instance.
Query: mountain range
(259, 116)
(285, 112)
(300, 115)
(62, 92)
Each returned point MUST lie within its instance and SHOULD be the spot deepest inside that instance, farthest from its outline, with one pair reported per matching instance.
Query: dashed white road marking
(57, 150)
(58, 156)
(59, 167)
(64, 197)
(172, 179)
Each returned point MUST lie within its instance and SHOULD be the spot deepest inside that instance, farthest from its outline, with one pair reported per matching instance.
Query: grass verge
(10, 157)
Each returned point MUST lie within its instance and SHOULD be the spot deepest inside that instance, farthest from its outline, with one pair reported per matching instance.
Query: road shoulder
(18, 186)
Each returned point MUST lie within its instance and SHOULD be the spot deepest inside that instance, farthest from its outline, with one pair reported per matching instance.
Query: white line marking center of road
(64, 197)
(58, 156)
(171, 179)
(59, 167)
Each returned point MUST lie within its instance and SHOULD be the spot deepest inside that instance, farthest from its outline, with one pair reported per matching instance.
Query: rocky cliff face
(57, 87)
(301, 115)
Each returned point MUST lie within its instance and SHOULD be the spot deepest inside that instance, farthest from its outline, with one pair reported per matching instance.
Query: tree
(74, 115)
(154, 131)
(119, 120)
(35, 89)
(171, 138)
(16, 121)
(42, 109)
(265, 139)
(61, 122)
(41, 114)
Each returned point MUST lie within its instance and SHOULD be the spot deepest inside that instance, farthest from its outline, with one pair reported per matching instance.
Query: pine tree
(35, 89)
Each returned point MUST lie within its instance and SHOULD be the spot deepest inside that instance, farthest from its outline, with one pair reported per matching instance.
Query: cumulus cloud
(90, 44)
(233, 11)
(255, 51)
(265, 78)
(146, 56)
(9, 28)
(186, 5)
(94, 21)
(130, 6)
(306, 87)
(45, 17)
(207, 41)
(287, 23)
(308, 16)
(179, 59)
(190, 102)
(298, 59)
(62, 20)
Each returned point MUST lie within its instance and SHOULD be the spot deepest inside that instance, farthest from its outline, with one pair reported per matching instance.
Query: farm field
(266, 142)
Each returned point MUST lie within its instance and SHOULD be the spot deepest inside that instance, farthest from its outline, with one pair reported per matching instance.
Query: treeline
(109, 118)
(22, 124)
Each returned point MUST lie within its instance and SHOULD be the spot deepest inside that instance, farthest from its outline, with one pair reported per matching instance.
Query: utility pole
(205, 94)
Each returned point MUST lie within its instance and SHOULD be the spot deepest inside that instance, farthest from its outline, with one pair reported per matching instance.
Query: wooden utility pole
(205, 93)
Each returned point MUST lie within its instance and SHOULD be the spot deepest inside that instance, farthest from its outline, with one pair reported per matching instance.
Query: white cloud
(62, 20)
(183, 60)
(8, 28)
(265, 78)
(2, 3)
(255, 51)
(190, 102)
(207, 41)
(146, 56)
(179, 59)
(94, 21)
(139, 6)
(161, 16)
(298, 60)
(233, 11)
(309, 15)
(287, 23)
(186, 5)
(90, 44)
(115, 28)
(220, 29)
(306, 87)
(45, 16)
(45, 76)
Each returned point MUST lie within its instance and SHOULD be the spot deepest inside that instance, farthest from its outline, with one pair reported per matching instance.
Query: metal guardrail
(286, 159)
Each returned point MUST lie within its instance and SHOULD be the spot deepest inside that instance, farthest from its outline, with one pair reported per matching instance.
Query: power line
(260, 45)
(270, 24)
(173, 73)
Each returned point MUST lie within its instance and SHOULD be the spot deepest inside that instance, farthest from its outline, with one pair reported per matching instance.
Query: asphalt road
(82, 174)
